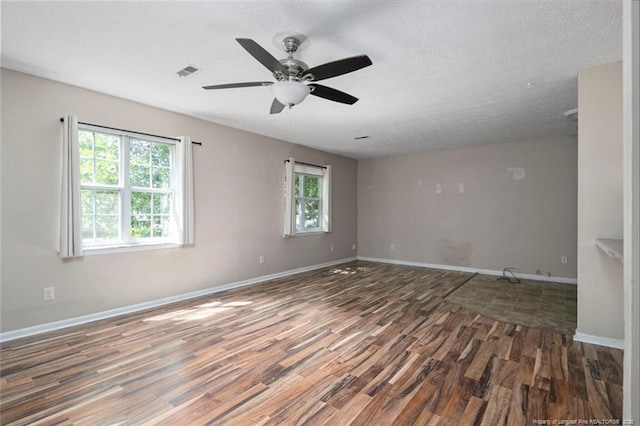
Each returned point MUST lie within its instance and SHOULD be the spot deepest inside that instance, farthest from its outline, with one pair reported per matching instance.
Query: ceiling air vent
(187, 71)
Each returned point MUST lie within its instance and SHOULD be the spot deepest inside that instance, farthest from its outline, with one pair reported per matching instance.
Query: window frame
(300, 219)
(125, 189)
(324, 205)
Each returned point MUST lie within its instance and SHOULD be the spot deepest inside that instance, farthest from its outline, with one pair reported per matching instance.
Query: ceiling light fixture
(290, 92)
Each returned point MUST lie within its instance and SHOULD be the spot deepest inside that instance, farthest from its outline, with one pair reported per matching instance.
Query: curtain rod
(306, 164)
(131, 131)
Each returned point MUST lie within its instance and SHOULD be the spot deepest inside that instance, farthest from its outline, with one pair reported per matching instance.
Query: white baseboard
(467, 269)
(597, 340)
(56, 325)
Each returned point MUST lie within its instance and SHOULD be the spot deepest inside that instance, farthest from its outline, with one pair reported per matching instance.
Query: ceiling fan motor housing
(294, 67)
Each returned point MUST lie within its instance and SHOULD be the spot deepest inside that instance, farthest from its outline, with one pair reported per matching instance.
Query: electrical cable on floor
(511, 279)
(451, 290)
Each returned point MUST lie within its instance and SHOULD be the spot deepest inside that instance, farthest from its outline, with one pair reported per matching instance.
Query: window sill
(94, 251)
(301, 234)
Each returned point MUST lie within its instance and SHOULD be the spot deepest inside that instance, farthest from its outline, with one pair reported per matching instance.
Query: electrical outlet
(353, 246)
(393, 246)
(563, 259)
(438, 189)
(261, 259)
(49, 293)
(538, 272)
(331, 247)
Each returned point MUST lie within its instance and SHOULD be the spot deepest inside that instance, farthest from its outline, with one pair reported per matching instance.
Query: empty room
(324, 212)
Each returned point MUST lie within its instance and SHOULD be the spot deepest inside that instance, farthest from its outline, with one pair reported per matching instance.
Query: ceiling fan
(294, 79)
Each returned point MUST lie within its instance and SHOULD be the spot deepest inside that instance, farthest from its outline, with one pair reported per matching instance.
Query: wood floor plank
(474, 412)
(361, 343)
(497, 407)
(347, 413)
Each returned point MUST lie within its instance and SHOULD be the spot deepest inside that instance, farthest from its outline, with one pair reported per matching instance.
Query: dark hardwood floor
(362, 344)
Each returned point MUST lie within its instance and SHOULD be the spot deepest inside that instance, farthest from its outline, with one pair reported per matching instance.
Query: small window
(308, 210)
(127, 188)
(308, 195)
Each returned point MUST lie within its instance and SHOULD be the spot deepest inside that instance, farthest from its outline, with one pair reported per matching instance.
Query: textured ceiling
(444, 75)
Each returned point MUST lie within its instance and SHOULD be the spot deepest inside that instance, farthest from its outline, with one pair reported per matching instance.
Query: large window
(127, 190)
(308, 199)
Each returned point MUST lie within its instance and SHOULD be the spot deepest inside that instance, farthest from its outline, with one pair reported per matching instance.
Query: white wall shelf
(612, 248)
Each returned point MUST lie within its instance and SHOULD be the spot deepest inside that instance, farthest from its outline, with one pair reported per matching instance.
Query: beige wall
(600, 185)
(239, 208)
(497, 222)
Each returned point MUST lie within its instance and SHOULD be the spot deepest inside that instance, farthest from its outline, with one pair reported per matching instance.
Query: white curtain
(184, 204)
(70, 207)
(326, 199)
(289, 202)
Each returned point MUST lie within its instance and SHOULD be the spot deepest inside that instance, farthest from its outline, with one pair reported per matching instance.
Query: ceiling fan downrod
(295, 67)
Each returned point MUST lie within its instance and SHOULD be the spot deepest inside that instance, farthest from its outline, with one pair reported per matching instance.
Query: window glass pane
(107, 172)
(140, 203)
(139, 152)
(161, 155)
(86, 143)
(298, 215)
(161, 226)
(87, 227)
(107, 227)
(161, 203)
(311, 214)
(161, 178)
(140, 227)
(296, 189)
(86, 198)
(311, 184)
(107, 147)
(86, 171)
(150, 168)
(140, 176)
(108, 202)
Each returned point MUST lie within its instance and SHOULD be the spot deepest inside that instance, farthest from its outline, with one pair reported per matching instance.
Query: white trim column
(631, 159)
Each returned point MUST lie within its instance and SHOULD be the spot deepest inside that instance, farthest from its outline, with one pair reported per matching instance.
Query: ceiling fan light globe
(290, 92)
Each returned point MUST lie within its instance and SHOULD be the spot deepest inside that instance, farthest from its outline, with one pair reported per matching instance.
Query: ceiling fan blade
(332, 94)
(336, 68)
(276, 107)
(264, 57)
(235, 85)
